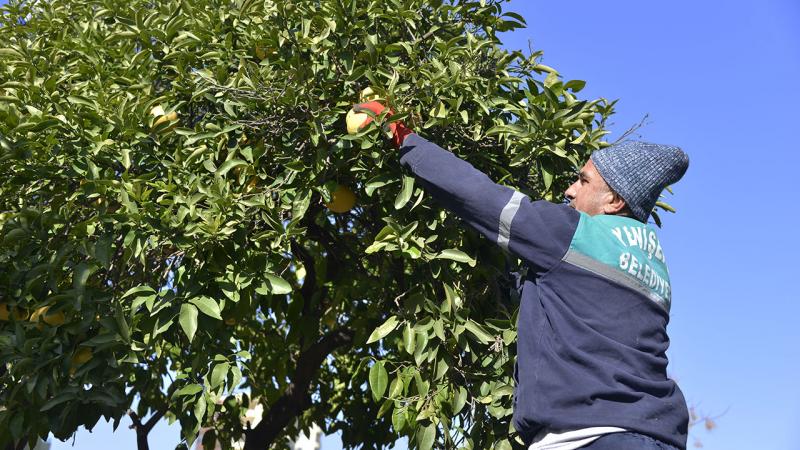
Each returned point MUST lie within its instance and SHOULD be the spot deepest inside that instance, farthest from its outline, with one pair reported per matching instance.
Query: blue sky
(720, 80)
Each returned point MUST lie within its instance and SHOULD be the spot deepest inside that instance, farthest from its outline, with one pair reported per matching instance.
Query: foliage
(193, 254)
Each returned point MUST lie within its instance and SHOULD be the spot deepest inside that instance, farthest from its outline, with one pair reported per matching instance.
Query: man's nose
(570, 192)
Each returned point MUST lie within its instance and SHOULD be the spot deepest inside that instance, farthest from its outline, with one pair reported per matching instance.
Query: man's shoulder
(624, 250)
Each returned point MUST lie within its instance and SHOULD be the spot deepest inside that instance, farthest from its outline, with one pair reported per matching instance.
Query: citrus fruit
(342, 200)
(53, 319)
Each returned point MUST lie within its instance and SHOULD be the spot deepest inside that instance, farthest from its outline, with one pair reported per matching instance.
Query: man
(591, 363)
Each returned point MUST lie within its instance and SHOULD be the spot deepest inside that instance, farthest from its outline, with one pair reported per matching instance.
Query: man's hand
(398, 128)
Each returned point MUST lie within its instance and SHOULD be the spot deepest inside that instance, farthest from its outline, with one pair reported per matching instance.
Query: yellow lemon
(54, 319)
(368, 95)
(355, 120)
(157, 110)
(161, 116)
(82, 356)
(166, 118)
(18, 313)
(343, 200)
(262, 52)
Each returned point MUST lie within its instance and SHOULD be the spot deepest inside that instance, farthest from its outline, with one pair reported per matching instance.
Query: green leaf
(575, 85)
(122, 324)
(459, 399)
(399, 419)
(438, 329)
(300, 204)
(81, 275)
(396, 388)
(422, 386)
(237, 377)
(207, 306)
(103, 249)
(139, 290)
(665, 206)
(278, 285)
(377, 182)
(478, 331)
(189, 389)
(57, 400)
(456, 255)
(502, 444)
(14, 236)
(420, 354)
(102, 338)
(405, 192)
(452, 299)
(409, 338)
(384, 329)
(547, 174)
(80, 101)
(551, 79)
(126, 158)
(200, 408)
(387, 232)
(426, 436)
(228, 165)
(188, 320)
(219, 374)
(378, 379)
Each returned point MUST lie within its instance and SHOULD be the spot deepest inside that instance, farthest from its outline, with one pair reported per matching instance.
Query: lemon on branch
(342, 200)
(18, 313)
(358, 120)
(161, 116)
(52, 319)
(82, 356)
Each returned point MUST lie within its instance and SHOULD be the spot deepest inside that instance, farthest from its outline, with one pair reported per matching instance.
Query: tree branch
(310, 280)
(143, 429)
(153, 420)
(295, 398)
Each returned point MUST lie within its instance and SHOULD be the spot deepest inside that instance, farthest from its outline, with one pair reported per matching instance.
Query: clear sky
(719, 79)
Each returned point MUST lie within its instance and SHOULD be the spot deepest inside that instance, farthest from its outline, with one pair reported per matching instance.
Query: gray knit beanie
(639, 171)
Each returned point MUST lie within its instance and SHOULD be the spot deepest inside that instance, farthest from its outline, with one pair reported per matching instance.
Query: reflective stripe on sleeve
(506, 217)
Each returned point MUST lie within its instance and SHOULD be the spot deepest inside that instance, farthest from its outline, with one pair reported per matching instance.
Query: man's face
(590, 193)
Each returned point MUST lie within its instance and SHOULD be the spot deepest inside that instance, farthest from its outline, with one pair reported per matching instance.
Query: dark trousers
(628, 441)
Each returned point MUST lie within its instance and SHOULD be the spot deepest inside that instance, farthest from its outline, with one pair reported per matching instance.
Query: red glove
(398, 128)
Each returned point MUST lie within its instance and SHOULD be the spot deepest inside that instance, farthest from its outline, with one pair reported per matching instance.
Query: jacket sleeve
(538, 232)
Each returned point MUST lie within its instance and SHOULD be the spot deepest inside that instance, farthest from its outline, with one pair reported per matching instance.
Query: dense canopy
(170, 240)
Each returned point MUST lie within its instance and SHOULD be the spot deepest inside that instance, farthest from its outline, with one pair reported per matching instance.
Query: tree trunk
(295, 398)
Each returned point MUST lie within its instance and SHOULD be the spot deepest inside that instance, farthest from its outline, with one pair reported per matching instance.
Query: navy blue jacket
(594, 306)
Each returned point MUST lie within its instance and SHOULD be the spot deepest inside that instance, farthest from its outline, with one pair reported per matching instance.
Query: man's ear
(615, 206)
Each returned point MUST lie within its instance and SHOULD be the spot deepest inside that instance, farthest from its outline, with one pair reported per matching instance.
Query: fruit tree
(188, 228)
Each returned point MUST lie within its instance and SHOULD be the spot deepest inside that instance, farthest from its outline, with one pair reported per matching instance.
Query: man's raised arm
(539, 232)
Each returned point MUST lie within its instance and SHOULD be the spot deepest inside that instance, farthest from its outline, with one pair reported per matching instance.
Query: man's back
(594, 309)
(592, 336)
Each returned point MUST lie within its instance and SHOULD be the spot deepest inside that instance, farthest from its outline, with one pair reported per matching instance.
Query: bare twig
(632, 129)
